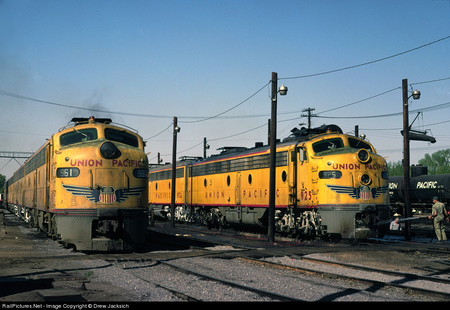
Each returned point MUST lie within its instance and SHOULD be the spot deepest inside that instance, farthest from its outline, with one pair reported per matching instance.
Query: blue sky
(144, 62)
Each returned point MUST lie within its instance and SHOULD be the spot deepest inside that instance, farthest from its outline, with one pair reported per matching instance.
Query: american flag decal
(365, 193)
(106, 194)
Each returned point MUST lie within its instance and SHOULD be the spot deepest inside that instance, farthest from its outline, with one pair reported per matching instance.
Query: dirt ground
(27, 267)
(31, 271)
(421, 261)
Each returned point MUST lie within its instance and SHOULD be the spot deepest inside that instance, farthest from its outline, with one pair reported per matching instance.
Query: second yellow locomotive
(87, 187)
(328, 184)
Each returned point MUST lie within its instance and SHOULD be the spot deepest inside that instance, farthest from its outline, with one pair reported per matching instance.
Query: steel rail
(176, 293)
(371, 269)
(345, 277)
(233, 284)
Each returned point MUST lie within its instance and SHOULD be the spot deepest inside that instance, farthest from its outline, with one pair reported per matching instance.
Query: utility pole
(273, 153)
(176, 130)
(309, 110)
(159, 158)
(205, 147)
(406, 132)
(406, 179)
(273, 156)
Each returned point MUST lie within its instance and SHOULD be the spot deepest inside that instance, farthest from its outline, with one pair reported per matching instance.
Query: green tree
(438, 162)
(395, 168)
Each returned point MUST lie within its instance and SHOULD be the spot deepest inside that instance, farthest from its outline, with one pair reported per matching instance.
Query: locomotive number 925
(328, 184)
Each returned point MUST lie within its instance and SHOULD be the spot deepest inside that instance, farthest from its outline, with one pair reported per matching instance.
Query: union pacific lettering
(86, 163)
(99, 163)
(168, 195)
(215, 194)
(374, 166)
(127, 163)
(255, 193)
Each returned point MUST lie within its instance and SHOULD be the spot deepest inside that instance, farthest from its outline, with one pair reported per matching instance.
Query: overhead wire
(359, 101)
(436, 107)
(159, 132)
(2, 92)
(240, 103)
(365, 63)
(5, 93)
(201, 119)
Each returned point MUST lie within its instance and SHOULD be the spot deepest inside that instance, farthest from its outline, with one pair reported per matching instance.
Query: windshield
(78, 136)
(122, 137)
(329, 144)
(359, 144)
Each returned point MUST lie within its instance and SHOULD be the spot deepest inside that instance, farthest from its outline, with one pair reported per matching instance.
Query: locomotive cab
(103, 172)
(351, 175)
(87, 186)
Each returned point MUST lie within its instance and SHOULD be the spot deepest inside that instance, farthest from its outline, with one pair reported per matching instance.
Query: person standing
(395, 224)
(439, 213)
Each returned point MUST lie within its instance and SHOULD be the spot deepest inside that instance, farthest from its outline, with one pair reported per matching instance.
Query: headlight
(363, 155)
(365, 179)
(108, 150)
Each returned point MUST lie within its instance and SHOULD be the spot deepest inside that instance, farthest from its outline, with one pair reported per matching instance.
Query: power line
(217, 115)
(241, 133)
(160, 132)
(432, 81)
(5, 93)
(359, 101)
(201, 119)
(365, 63)
(436, 107)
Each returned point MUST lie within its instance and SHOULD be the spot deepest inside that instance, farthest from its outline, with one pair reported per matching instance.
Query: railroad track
(408, 284)
(419, 284)
(341, 277)
(272, 295)
(195, 270)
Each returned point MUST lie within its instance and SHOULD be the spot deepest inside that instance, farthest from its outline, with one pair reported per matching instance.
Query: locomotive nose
(108, 150)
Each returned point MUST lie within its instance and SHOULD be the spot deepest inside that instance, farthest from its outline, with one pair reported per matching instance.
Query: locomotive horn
(420, 135)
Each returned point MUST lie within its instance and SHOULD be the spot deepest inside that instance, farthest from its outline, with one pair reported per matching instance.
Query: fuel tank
(422, 188)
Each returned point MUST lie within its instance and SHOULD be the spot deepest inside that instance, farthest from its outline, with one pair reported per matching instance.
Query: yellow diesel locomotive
(87, 187)
(328, 184)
